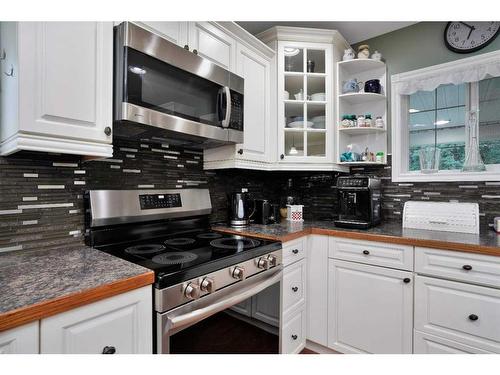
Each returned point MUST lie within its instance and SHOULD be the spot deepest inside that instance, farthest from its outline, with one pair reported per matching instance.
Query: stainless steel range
(198, 272)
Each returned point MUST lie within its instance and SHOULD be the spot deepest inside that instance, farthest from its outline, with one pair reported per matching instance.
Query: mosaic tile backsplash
(41, 195)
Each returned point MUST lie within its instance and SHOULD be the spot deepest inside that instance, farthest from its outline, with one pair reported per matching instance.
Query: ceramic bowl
(318, 97)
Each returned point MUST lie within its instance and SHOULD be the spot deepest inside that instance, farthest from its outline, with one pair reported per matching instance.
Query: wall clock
(466, 37)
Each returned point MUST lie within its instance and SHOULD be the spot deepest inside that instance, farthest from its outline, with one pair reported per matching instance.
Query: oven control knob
(192, 291)
(207, 285)
(272, 260)
(238, 273)
(263, 263)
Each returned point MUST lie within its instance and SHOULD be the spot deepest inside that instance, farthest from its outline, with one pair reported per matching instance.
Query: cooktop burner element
(209, 235)
(180, 241)
(238, 244)
(174, 258)
(145, 249)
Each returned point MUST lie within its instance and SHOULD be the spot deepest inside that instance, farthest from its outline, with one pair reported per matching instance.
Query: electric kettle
(241, 209)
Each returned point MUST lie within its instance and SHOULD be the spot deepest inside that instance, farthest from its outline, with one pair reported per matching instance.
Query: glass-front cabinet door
(305, 104)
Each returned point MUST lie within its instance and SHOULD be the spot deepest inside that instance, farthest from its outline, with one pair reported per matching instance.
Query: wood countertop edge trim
(435, 244)
(44, 309)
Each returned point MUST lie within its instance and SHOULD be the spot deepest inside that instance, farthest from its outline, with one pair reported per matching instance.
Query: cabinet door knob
(473, 317)
(186, 47)
(195, 51)
(295, 251)
(240, 151)
(406, 280)
(295, 337)
(295, 289)
(109, 350)
(282, 156)
(107, 131)
(366, 252)
(467, 267)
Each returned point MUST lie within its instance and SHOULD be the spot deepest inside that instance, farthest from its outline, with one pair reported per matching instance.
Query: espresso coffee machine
(266, 212)
(359, 202)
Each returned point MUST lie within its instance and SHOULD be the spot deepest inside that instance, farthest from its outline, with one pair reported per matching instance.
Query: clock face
(465, 37)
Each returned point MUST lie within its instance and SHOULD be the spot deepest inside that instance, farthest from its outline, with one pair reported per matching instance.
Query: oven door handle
(191, 313)
(227, 118)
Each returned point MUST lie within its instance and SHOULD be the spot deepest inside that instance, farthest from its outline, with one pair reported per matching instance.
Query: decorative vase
(473, 161)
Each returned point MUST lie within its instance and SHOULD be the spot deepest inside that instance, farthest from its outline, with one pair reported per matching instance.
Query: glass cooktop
(186, 255)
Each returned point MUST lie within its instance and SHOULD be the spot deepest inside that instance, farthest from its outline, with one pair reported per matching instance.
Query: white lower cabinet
(121, 324)
(21, 340)
(317, 289)
(465, 313)
(425, 343)
(293, 333)
(370, 309)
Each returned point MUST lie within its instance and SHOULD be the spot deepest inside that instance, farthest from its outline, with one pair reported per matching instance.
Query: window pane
(489, 120)
(437, 118)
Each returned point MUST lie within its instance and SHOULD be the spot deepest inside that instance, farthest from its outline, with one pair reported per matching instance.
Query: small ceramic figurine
(376, 55)
(348, 55)
(364, 51)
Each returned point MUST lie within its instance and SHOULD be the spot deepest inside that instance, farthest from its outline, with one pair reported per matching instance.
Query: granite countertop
(39, 283)
(487, 242)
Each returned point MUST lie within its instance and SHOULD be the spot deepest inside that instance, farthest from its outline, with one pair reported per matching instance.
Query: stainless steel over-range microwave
(164, 92)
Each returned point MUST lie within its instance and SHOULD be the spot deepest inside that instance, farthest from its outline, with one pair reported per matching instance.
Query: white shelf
(357, 66)
(360, 130)
(362, 97)
(313, 102)
(301, 74)
(360, 163)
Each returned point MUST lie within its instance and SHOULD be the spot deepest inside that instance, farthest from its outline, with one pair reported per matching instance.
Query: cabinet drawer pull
(406, 280)
(195, 51)
(109, 350)
(282, 156)
(467, 267)
(366, 252)
(295, 337)
(240, 151)
(295, 251)
(473, 317)
(186, 47)
(295, 288)
(107, 131)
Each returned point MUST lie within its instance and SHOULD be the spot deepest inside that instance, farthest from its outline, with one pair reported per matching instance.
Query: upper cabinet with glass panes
(305, 90)
(445, 124)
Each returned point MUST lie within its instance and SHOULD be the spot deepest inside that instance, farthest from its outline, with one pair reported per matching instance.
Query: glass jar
(361, 121)
(379, 122)
(346, 122)
(368, 121)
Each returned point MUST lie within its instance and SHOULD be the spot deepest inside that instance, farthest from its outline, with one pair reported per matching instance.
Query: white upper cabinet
(175, 32)
(61, 73)
(212, 43)
(303, 94)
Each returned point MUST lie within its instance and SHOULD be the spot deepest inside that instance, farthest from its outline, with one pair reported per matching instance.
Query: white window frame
(400, 123)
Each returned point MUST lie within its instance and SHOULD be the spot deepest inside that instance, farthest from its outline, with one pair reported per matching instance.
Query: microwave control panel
(152, 201)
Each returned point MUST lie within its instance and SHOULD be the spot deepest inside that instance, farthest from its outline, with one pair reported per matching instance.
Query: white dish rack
(442, 216)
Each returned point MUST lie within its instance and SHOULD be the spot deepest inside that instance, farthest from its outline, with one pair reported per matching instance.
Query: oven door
(174, 321)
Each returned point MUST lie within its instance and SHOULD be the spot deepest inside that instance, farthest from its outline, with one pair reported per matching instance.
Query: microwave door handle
(227, 118)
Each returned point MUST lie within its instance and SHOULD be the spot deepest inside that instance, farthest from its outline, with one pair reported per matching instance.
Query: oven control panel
(152, 201)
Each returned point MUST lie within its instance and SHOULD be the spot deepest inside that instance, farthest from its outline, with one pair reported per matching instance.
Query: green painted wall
(414, 47)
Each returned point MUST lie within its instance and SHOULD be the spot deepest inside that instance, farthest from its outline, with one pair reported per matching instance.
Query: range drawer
(473, 268)
(294, 283)
(293, 336)
(293, 251)
(465, 313)
(375, 253)
(430, 344)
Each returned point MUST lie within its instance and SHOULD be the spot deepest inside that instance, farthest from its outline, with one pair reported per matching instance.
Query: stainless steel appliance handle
(191, 313)
(227, 118)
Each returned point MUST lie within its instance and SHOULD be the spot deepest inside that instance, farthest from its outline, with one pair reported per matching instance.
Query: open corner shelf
(362, 97)
(357, 66)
